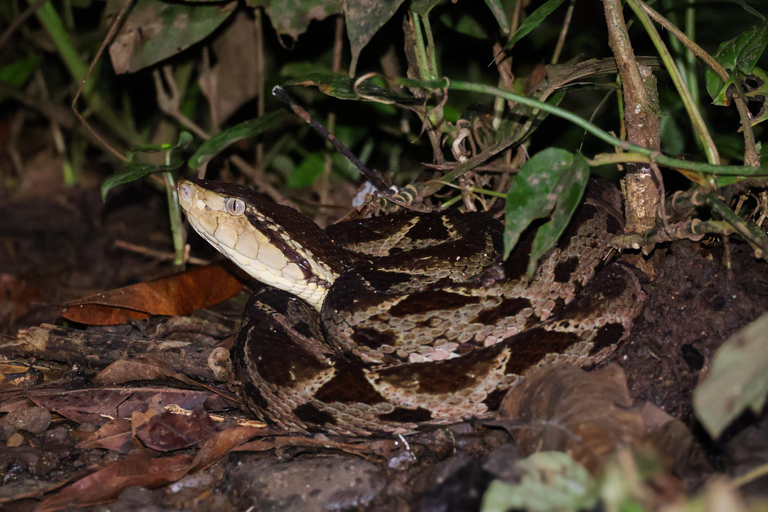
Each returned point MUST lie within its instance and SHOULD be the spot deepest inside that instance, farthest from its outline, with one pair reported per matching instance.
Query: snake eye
(234, 206)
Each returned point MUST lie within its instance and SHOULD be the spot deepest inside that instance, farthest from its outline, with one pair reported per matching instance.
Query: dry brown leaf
(590, 415)
(107, 483)
(560, 407)
(180, 294)
(220, 444)
(170, 431)
(114, 435)
(93, 405)
(129, 370)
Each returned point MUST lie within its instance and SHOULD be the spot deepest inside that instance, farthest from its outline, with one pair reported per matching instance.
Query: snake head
(275, 244)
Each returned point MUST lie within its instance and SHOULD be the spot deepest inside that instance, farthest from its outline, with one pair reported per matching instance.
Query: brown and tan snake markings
(396, 323)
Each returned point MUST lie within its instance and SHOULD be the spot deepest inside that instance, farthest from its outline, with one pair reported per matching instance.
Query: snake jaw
(252, 232)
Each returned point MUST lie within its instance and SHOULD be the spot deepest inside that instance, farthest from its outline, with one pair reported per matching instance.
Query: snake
(393, 324)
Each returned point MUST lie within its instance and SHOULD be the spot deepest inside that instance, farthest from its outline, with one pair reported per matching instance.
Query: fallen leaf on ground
(106, 484)
(93, 405)
(114, 435)
(129, 370)
(170, 431)
(179, 294)
(589, 415)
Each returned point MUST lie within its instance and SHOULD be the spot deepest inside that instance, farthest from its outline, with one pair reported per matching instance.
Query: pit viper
(392, 324)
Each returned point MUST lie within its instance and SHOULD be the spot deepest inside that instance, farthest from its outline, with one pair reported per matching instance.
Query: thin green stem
(677, 78)
(431, 55)
(722, 170)
(174, 214)
(421, 50)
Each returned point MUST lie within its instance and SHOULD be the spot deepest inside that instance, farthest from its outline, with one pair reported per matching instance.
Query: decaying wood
(98, 349)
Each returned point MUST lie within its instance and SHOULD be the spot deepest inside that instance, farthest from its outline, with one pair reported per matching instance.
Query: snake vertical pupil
(234, 206)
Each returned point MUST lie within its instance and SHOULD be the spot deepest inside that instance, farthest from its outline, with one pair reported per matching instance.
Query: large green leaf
(533, 21)
(292, 17)
(550, 185)
(157, 30)
(548, 481)
(739, 57)
(737, 380)
(220, 141)
(365, 18)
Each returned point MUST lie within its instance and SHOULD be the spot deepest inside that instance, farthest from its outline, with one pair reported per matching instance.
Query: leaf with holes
(550, 184)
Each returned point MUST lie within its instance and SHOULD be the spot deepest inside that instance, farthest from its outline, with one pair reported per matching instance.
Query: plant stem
(677, 78)
(78, 70)
(674, 163)
(174, 214)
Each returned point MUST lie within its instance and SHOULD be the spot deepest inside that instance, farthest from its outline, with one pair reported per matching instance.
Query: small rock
(310, 485)
(34, 420)
(15, 440)
(58, 439)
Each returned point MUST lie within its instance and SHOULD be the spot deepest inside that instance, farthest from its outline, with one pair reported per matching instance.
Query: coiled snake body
(390, 324)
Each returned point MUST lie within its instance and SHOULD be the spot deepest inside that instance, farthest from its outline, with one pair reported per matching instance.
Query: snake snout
(186, 190)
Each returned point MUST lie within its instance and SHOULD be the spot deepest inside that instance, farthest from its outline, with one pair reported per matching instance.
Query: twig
(19, 21)
(154, 253)
(108, 39)
(563, 32)
(371, 175)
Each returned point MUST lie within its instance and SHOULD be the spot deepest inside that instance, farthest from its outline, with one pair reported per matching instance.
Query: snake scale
(391, 324)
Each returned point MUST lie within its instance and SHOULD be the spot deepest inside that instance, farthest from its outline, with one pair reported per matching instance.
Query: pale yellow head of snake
(275, 244)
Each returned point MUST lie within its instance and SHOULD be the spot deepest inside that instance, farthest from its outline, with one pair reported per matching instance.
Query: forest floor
(59, 245)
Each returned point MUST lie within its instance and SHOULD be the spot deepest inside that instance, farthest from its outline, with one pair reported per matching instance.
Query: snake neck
(274, 244)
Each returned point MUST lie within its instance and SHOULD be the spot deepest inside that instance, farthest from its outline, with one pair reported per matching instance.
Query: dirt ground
(56, 247)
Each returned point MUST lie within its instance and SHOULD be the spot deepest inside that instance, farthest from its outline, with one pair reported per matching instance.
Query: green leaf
(533, 21)
(550, 184)
(423, 7)
(364, 18)
(737, 380)
(305, 174)
(221, 141)
(342, 87)
(739, 57)
(292, 17)
(132, 172)
(155, 31)
(464, 23)
(18, 72)
(549, 481)
(497, 8)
